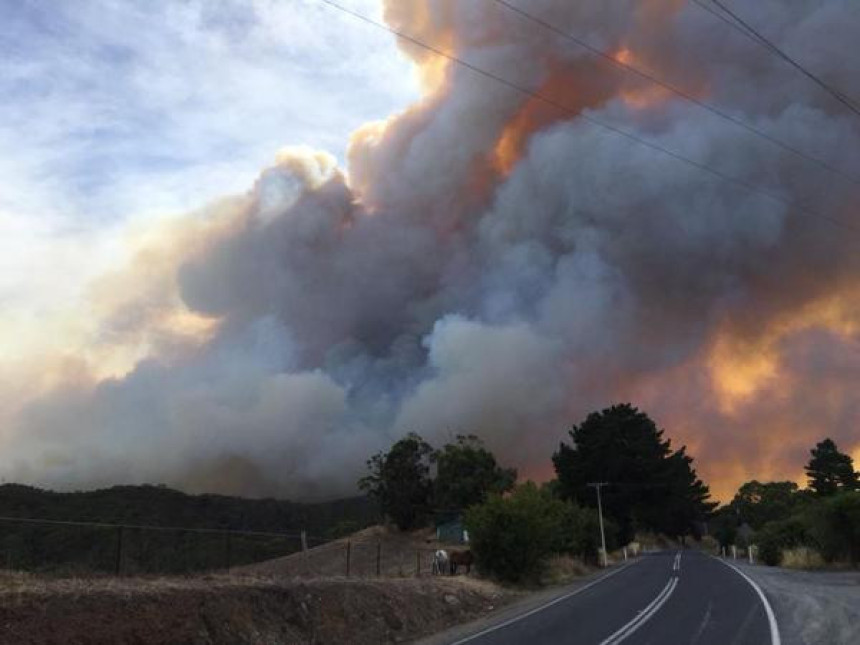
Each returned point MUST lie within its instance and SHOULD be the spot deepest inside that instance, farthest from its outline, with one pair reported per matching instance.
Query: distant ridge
(159, 505)
(274, 528)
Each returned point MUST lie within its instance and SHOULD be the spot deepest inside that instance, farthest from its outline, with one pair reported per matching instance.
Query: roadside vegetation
(802, 528)
(516, 530)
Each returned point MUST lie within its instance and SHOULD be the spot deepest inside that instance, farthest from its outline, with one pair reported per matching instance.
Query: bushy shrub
(512, 537)
(580, 533)
(769, 550)
(834, 527)
(774, 537)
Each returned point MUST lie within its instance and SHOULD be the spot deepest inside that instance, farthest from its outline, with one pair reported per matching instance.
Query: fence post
(348, 554)
(118, 566)
(228, 550)
(307, 555)
(378, 558)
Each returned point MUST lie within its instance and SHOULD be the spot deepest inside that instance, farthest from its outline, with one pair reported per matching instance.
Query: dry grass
(655, 542)
(562, 569)
(709, 544)
(401, 555)
(802, 558)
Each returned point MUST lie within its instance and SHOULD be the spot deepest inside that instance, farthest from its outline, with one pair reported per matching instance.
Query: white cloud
(115, 108)
(115, 111)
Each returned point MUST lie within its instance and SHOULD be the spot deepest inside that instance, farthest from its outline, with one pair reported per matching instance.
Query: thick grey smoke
(426, 288)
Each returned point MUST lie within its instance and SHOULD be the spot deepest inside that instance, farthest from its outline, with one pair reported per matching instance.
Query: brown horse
(460, 558)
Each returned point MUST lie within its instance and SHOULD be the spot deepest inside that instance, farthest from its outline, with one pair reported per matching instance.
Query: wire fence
(362, 558)
(79, 548)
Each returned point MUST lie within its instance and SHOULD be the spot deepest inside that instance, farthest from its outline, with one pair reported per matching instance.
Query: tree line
(514, 528)
(77, 550)
(779, 517)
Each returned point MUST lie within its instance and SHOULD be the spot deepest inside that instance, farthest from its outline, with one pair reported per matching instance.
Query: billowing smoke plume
(488, 263)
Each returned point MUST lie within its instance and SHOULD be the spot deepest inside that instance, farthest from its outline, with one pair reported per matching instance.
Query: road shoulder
(812, 607)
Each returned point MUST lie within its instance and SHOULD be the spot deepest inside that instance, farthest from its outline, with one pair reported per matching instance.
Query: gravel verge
(812, 607)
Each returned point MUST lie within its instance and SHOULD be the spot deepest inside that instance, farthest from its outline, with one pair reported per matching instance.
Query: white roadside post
(598, 485)
(734, 552)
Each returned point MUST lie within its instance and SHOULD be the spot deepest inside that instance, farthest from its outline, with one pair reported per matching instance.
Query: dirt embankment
(236, 610)
(375, 550)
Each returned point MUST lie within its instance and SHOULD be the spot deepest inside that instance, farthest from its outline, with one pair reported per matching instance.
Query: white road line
(676, 565)
(771, 618)
(704, 624)
(628, 629)
(555, 601)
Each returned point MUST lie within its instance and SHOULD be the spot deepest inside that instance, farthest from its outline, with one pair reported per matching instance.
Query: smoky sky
(432, 286)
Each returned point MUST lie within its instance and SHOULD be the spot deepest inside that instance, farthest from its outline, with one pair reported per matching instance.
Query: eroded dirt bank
(218, 610)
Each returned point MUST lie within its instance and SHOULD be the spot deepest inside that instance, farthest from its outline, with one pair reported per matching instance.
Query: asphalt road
(668, 598)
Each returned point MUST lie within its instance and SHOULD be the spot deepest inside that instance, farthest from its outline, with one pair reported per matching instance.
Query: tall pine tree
(650, 486)
(830, 471)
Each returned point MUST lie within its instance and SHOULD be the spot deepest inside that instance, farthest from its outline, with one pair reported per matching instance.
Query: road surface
(668, 598)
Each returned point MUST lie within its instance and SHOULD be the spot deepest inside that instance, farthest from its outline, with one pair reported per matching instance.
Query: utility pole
(598, 486)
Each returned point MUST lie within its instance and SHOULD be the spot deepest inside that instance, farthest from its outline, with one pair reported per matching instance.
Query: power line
(144, 527)
(735, 21)
(594, 121)
(675, 90)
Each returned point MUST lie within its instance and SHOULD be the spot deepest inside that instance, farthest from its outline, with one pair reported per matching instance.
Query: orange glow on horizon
(741, 367)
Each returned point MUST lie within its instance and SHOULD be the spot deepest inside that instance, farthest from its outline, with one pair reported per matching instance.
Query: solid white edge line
(630, 628)
(771, 617)
(552, 602)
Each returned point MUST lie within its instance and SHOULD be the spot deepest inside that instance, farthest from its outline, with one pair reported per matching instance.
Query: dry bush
(655, 542)
(709, 544)
(802, 558)
(561, 569)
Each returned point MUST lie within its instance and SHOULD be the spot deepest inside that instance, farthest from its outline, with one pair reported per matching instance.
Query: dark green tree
(399, 481)
(467, 473)
(830, 471)
(724, 526)
(650, 486)
(758, 503)
(774, 537)
(843, 524)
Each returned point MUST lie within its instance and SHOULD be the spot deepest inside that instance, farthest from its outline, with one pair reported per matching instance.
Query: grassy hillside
(76, 549)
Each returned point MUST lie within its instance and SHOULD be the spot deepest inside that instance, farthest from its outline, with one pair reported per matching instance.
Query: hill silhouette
(80, 549)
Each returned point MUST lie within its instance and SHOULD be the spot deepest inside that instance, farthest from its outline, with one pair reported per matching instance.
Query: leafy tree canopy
(831, 471)
(399, 481)
(758, 503)
(650, 486)
(467, 473)
(724, 526)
